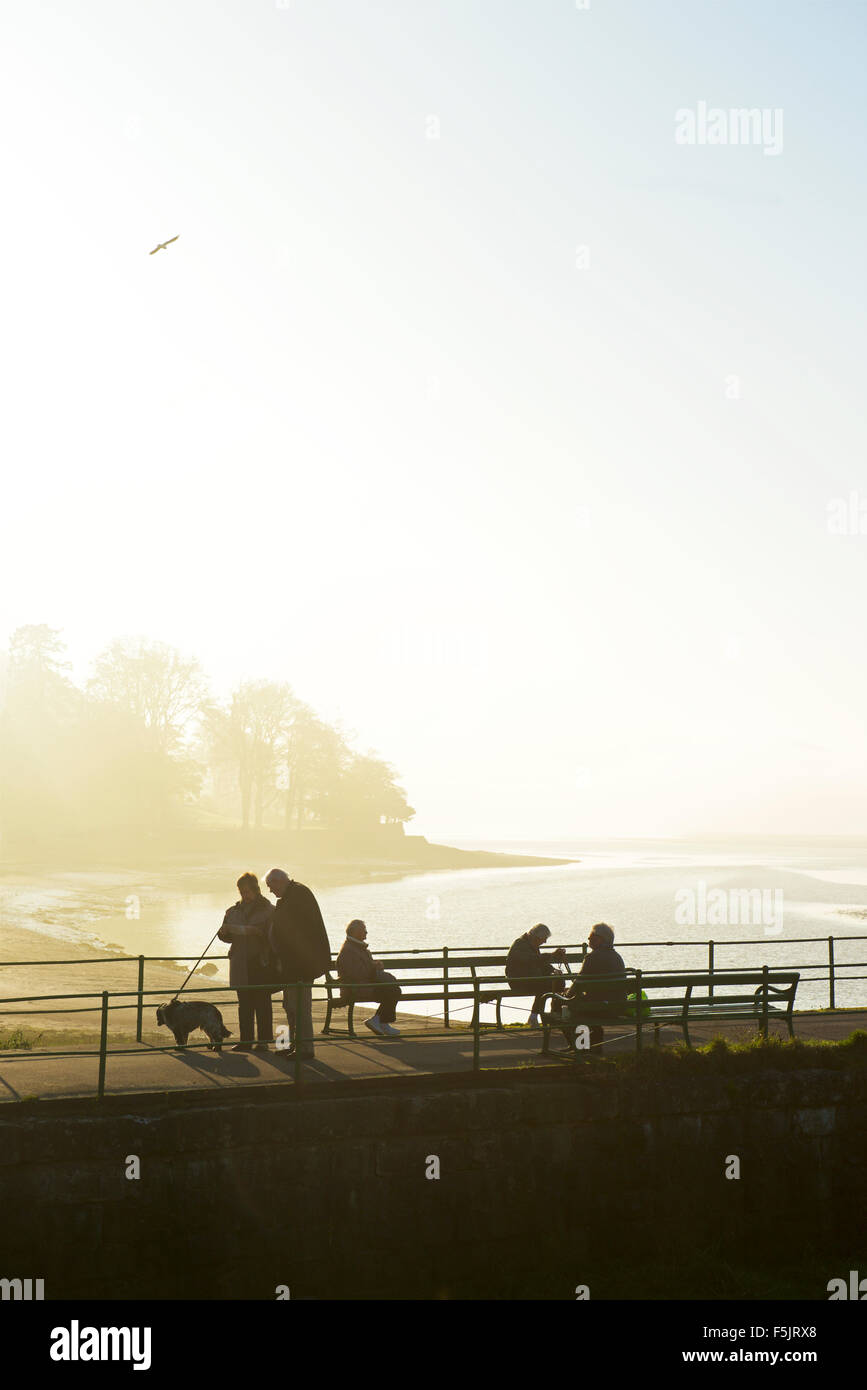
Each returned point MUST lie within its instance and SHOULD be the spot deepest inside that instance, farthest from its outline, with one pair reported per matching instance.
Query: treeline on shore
(143, 746)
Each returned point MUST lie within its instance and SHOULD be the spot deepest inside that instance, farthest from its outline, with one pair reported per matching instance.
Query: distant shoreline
(342, 865)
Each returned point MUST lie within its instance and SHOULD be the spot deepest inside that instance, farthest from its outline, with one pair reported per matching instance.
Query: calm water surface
(811, 890)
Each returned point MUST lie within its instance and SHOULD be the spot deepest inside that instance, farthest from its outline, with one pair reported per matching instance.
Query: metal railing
(450, 987)
(103, 1052)
(452, 959)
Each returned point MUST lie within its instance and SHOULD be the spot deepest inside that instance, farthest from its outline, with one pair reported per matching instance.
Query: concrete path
(26, 1075)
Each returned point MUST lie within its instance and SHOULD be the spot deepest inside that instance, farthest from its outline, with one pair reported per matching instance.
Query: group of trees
(144, 738)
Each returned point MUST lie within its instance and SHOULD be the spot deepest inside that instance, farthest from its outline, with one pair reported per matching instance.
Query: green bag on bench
(632, 1000)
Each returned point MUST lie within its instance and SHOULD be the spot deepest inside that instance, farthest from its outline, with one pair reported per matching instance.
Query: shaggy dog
(183, 1016)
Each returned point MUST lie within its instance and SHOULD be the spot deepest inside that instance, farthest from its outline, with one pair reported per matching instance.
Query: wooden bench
(446, 966)
(682, 997)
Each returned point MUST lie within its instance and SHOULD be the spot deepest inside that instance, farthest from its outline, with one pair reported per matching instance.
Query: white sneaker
(534, 1021)
(391, 1032)
(376, 1026)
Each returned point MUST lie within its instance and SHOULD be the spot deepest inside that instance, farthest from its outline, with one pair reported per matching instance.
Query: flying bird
(163, 244)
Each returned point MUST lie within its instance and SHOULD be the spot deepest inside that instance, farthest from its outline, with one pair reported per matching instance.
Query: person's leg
(245, 1019)
(583, 1018)
(388, 995)
(264, 1017)
(303, 1034)
(289, 1007)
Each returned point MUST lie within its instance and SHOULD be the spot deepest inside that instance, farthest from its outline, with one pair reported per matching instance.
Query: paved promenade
(26, 1075)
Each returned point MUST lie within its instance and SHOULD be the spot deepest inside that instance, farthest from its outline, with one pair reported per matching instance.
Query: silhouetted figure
(355, 965)
(525, 961)
(245, 927)
(300, 942)
(594, 999)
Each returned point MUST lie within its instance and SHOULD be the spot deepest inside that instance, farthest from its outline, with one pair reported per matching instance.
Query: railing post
(638, 1010)
(765, 1001)
(477, 1009)
(297, 1070)
(103, 1044)
(140, 1007)
(831, 982)
(710, 968)
(446, 986)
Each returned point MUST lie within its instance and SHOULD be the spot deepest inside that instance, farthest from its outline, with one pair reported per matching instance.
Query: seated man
(525, 963)
(594, 998)
(355, 965)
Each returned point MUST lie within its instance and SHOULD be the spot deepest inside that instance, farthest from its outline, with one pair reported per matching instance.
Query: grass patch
(75, 1040)
(19, 1039)
(720, 1056)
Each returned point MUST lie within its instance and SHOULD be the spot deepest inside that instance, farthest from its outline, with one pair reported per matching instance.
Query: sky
(511, 431)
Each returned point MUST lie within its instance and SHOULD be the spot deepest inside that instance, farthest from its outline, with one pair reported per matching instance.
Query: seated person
(355, 965)
(525, 963)
(594, 998)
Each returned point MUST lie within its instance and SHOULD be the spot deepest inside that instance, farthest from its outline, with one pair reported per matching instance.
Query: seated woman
(355, 965)
(245, 927)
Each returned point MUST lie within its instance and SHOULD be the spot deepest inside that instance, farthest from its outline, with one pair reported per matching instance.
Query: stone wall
(544, 1176)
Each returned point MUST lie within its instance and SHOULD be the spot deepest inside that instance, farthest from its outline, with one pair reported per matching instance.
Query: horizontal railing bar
(454, 956)
(648, 976)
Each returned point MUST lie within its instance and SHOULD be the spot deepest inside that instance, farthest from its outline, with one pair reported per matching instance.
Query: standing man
(300, 942)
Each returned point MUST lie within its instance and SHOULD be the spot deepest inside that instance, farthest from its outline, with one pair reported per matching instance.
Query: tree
(368, 794)
(153, 681)
(38, 734)
(36, 670)
(317, 755)
(251, 736)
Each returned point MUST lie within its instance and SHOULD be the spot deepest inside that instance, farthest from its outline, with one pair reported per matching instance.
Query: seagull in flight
(163, 244)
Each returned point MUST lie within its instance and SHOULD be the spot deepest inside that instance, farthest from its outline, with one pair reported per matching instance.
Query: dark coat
(525, 960)
(251, 960)
(355, 965)
(602, 960)
(298, 936)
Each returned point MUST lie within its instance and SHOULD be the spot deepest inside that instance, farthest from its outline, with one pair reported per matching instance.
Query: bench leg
(327, 1025)
(350, 1010)
(499, 1014)
(656, 1035)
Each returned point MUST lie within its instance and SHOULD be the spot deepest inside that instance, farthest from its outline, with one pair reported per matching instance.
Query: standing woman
(245, 927)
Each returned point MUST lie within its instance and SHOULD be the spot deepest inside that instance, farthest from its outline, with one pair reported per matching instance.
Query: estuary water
(785, 897)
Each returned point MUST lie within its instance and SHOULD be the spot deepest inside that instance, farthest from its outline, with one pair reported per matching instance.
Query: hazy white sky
(551, 536)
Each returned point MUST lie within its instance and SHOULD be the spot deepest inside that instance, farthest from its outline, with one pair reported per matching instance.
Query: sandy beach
(99, 971)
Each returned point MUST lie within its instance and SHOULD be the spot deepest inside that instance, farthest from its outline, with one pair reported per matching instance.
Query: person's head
(357, 930)
(248, 887)
(277, 881)
(600, 935)
(539, 934)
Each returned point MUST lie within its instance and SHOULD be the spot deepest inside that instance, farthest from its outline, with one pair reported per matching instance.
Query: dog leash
(198, 962)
